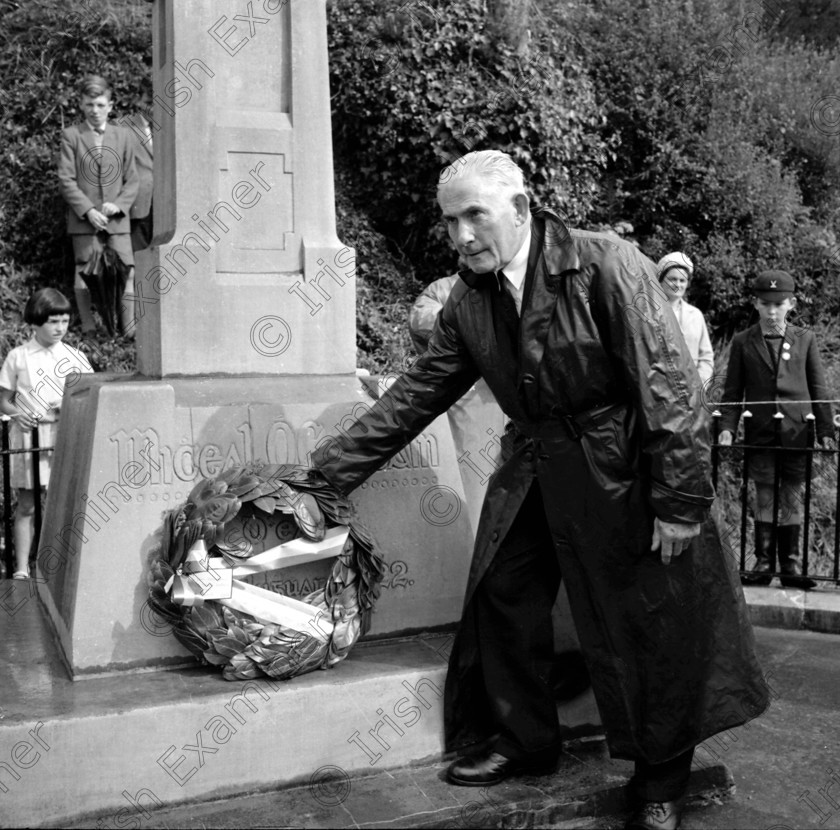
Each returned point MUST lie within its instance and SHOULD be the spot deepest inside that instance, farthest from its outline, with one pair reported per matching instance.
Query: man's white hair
(487, 164)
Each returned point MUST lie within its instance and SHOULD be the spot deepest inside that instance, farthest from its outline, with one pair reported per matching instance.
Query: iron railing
(725, 461)
(822, 460)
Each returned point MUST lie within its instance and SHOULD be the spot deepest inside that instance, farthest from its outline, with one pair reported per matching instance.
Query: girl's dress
(37, 375)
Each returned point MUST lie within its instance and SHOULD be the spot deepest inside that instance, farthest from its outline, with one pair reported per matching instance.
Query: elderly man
(608, 484)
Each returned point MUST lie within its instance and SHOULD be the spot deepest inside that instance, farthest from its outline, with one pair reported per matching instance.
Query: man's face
(486, 221)
(96, 109)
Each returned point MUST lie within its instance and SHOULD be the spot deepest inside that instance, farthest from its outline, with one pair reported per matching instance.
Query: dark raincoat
(609, 418)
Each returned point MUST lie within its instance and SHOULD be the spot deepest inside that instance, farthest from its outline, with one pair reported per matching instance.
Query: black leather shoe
(790, 560)
(753, 578)
(765, 556)
(489, 768)
(656, 815)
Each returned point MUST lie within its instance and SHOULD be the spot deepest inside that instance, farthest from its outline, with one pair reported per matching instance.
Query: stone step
(115, 745)
(588, 790)
(118, 744)
(777, 607)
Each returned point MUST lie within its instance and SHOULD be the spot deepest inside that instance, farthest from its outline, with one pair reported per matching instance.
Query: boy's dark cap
(773, 285)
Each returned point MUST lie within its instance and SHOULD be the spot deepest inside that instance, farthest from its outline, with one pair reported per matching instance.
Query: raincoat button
(529, 456)
(495, 536)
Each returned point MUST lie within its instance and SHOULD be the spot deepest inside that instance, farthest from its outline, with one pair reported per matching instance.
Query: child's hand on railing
(25, 419)
(725, 438)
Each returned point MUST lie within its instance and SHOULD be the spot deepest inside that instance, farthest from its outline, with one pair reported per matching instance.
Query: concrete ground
(785, 766)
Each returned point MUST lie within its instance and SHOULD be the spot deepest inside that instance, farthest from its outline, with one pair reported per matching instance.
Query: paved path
(786, 764)
(786, 767)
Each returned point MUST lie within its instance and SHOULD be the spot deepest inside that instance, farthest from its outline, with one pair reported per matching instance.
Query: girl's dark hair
(44, 303)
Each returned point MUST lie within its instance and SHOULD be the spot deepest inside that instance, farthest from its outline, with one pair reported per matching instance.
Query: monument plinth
(248, 276)
(246, 345)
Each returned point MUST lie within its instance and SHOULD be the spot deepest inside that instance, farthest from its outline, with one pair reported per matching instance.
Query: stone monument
(246, 345)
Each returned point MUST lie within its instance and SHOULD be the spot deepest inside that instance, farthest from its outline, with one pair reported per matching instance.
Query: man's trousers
(515, 638)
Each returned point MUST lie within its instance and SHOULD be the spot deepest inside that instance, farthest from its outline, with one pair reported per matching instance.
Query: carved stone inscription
(154, 464)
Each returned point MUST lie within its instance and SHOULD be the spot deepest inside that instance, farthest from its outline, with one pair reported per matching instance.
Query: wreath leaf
(265, 503)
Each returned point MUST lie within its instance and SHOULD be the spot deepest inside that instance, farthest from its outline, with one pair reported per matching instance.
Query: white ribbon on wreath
(203, 577)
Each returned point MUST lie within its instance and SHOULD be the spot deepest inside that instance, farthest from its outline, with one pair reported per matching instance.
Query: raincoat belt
(564, 425)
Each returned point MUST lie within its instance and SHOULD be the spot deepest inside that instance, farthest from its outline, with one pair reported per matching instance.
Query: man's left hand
(672, 537)
(110, 209)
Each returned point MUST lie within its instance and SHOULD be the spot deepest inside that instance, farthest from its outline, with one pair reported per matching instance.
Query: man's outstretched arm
(436, 380)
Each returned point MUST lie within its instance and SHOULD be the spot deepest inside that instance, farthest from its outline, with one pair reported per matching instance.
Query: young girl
(32, 384)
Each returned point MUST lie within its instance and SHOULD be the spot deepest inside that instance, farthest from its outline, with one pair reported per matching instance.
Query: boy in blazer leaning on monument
(98, 180)
(777, 363)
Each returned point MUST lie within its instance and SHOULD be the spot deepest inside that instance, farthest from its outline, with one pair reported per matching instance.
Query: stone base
(123, 745)
(128, 450)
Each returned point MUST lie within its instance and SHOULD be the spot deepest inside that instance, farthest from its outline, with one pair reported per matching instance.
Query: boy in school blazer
(98, 181)
(779, 364)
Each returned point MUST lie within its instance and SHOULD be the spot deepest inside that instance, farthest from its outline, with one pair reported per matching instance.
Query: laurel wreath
(245, 646)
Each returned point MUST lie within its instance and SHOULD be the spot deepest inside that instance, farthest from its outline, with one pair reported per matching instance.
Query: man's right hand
(97, 219)
(725, 438)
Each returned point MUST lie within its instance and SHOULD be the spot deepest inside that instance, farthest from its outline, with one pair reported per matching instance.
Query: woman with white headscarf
(675, 272)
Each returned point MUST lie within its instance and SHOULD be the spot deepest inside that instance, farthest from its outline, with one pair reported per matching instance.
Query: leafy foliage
(49, 46)
(386, 286)
(417, 87)
(718, 152)
(696, 121)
